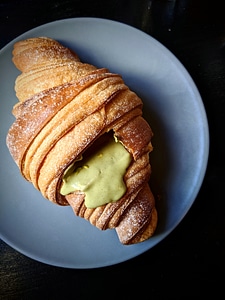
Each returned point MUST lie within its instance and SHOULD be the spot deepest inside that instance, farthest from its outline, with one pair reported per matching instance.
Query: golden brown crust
(64, 107)
(32, 53)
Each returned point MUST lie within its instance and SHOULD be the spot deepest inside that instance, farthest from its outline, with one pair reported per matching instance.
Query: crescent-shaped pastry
(80, 138)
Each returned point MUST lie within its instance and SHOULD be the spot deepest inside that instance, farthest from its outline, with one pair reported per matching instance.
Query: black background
(190, 262)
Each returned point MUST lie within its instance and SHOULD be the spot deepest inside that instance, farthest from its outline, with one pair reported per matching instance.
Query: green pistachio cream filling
(99, 173)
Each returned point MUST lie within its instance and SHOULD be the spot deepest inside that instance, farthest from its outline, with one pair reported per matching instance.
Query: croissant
(67, 111)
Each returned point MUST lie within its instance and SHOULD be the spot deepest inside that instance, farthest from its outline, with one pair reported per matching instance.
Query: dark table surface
(191, 260)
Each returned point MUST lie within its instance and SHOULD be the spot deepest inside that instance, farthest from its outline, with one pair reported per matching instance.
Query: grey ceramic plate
(174, 109)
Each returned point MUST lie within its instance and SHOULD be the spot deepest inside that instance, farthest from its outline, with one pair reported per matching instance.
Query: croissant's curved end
(66, 106)
(139, 221)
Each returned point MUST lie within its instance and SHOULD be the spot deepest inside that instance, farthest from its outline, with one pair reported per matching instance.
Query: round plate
(173, 107)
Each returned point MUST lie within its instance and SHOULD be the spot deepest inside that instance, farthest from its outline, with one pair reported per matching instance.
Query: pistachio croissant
(68, 116)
